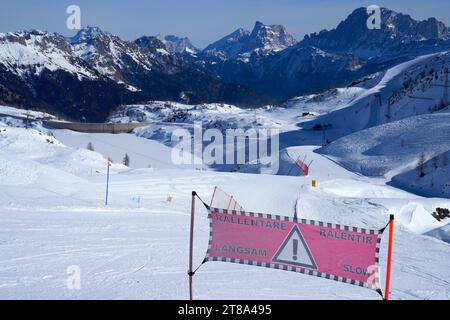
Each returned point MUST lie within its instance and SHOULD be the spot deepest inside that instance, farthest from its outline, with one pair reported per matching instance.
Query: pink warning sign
(336, 252)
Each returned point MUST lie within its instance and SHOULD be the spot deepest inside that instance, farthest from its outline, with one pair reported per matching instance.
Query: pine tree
(435, 162)
(90, 147)
(421, 165)
(126, 160)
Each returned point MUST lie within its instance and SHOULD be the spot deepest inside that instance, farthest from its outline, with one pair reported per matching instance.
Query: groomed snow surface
(53, 216)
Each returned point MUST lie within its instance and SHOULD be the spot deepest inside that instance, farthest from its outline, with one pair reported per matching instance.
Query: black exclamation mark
(295, 246)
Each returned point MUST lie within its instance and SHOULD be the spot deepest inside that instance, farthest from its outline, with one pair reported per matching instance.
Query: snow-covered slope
(36, 169)
(436, 179)
(325, 102)
(21, 113)
(387, 127)
(394, 149)
(136, 246)
(143, 153)
(411, 88)
(442, 233)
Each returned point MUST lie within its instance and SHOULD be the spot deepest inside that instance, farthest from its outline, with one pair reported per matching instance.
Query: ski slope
(394, 150)
(143, 153)
(52, 216)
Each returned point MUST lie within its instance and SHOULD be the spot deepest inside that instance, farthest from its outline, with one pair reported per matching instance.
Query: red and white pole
(212, 199)
(191, 245)
(389, 259)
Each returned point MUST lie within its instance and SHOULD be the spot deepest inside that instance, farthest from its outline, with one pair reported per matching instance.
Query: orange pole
(389, 259)
(191, 245)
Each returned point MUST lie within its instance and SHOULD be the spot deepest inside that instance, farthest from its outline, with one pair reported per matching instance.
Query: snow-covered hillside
(435, 181)
(215, 115)
(143, 153)
(53, 216)
(218, 115)
(394, 150)
(21, 113)
(411, 88)
(52, 193)
(387, 123)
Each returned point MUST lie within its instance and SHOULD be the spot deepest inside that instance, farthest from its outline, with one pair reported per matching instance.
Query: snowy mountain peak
(230, 45)
(399, 32)
(271, 37)
(30, 36)
(404, 25)
(87, 34)
(176, 44)
(26, 53)
(263, 39)
(149, 42)
(433, 29)
(108, 54)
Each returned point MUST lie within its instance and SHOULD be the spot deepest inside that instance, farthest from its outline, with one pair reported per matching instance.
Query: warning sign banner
(331, 251)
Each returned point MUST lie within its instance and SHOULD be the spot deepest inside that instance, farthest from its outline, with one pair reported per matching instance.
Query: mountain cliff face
(398, 32)
(174, 44)
(241, 44)
(89, 75)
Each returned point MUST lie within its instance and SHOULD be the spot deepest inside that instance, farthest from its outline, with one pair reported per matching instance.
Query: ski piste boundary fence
(221, 199)
(302, 165)
(296, 247)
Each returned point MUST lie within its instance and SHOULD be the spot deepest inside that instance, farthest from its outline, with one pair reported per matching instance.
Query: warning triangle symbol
(295, 251)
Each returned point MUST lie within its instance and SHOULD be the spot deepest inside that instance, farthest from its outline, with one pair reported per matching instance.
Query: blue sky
(203, 21)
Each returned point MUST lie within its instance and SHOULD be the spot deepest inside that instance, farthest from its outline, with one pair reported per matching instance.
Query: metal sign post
(191, 245)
